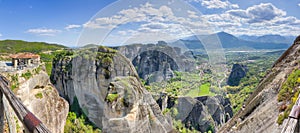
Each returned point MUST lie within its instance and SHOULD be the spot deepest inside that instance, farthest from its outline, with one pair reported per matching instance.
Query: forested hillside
(15, 46)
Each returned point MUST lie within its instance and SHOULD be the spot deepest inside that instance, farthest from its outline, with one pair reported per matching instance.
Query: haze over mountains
(229, 41)
(269, 38)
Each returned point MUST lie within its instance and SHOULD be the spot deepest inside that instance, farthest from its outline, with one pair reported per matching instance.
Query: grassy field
(204, 90)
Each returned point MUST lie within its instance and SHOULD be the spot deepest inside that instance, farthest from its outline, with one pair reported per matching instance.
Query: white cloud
(144, 13)
(259, 13)
(0, 35)
(72, 26)
(239, 13)
(215, 4)
(43, 31)
(260, 19)
(299, 4)
(287, 20)
(192, 14)
(263, 12)
(144, 19)
(155, 25)
(151, 18)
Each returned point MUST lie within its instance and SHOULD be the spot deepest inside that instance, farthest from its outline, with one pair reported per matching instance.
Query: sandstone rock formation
(238, 72)
(108, 90)
(200, 113)
(41, 98)
(262, 108)
(156, 62)
(155, 66)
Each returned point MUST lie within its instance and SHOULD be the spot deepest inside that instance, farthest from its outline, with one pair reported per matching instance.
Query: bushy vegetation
(27, 75)
(47, 58)
(77, 121)
(14, 81)
(16, 46)
(62, 54)
(39, 95)
(289, 87)
(37, 70)
(179, 127)
(78, 124)
(112, 97)
(288, 94)
(48, 66)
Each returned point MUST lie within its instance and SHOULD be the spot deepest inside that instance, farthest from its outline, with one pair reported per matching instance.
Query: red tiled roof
(25, 56)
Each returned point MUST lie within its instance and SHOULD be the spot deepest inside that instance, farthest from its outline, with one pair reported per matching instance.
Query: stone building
(21, 60)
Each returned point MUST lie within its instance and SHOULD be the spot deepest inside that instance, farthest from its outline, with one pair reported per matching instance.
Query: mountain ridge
(15, 46)
(274, 38)
(228, 41)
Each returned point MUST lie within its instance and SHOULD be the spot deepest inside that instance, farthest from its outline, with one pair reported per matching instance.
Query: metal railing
(29, 120)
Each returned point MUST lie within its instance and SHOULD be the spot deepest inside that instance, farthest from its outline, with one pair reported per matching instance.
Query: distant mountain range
(229, 41)
(269, 38)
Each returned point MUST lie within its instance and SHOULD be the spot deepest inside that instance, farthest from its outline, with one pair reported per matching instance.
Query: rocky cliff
(36, 92)
(238, 71)
(262, 107)
(108, 90)
(155, 66)
(157, 62)
(200, 113)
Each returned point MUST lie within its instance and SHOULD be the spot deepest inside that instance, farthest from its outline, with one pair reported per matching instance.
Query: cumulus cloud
(144, 13)
(239, 13)
(299, 4)
(259, 13)
(0, 35)
(264, 12)
(43, 31)
(259, 19)
(155, 25)
(215, 4)
(72, 26)
(290, 20)
(150, 19)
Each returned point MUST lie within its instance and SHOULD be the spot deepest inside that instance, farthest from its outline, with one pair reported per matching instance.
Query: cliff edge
(264, 106)
(108, 90)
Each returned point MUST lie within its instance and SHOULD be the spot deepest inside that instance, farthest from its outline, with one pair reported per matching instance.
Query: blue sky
(64, 21)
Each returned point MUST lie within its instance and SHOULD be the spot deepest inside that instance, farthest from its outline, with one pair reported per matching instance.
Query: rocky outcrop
(62, 78)
(155, 66)
(108, 90)
(262, 108)
(156, 62)
(41, 98)
(200, 113)
(237, 73)
(133, 110)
